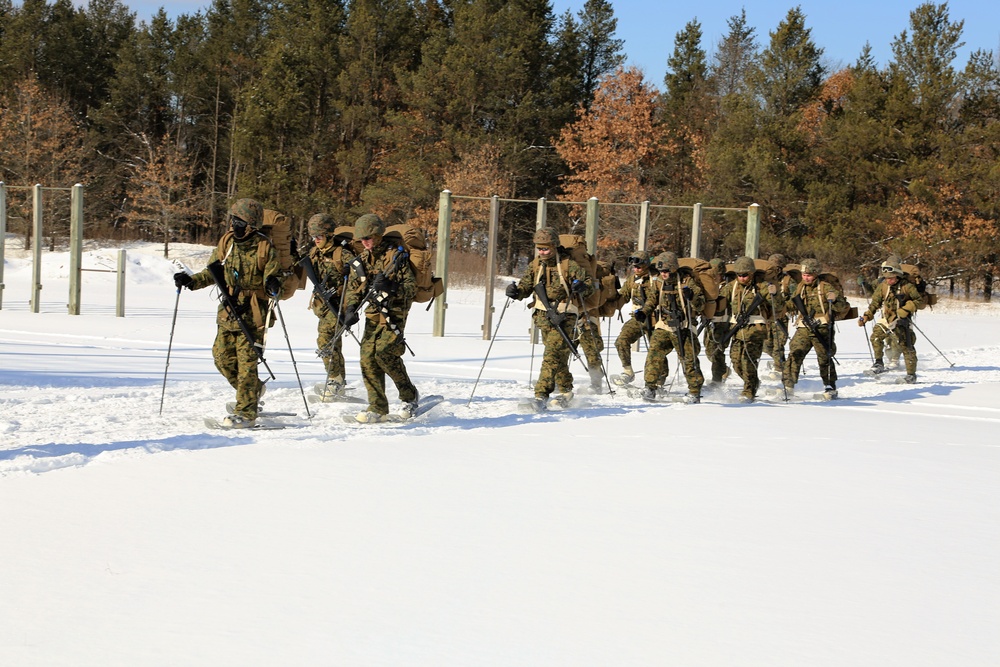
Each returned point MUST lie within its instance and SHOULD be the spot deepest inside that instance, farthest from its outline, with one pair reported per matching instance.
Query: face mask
(239, 227)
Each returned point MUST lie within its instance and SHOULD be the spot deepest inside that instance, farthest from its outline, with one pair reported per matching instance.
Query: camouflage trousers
(661, 343)
(803, 341)
(715, 332)
(631, 331)
(381, 355)
(236, 360)
(555, 360)
(774, 343)
(592, 344)
(333, 358)
(747, 346)
(902, 338)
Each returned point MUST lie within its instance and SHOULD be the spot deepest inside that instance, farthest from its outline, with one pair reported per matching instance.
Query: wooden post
(593, 215)
(120, 300)
(441, 269)
(753, 231)
(3, 234)
(36, 248)
(491, 265)
(696, 231)
(75, 248)
(643, 225)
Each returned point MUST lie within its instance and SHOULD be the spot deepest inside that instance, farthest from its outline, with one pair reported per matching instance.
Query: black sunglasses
(742, 275)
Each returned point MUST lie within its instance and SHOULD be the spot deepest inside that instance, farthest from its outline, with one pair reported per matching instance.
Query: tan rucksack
(702, 271)
(276, 231)
(414, 241)
(913, 275)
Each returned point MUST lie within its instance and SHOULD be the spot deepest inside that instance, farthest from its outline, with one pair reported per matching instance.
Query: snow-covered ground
(861, 532)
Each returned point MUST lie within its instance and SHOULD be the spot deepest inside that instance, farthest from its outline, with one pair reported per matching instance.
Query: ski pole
(295, 366)
(532, 332)
(931, 342)
(170, 346)
(864, 292)
(493, 338)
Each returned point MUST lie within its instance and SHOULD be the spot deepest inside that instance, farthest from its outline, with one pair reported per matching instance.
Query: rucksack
(702, 271)
(276, 231)
(608, 285)
(913, 275)
(574, 246)
(414, 240)
(828, 278)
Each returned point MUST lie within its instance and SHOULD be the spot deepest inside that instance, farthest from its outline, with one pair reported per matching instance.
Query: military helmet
(811, 266)
(369, 226)
(321, 224)
(744, 265)
(640, 259)
(667, 261)
(891, 266)
(718, 265)
(249, 211)
(546, 237)
(778, 260)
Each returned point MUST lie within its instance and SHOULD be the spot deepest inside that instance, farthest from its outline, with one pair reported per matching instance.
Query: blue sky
(841, 28)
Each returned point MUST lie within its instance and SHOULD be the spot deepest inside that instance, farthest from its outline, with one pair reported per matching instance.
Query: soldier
(558, 284)
(718, 328)
(673, 300)
(749, 302)
(633, 294)
(252, 273)
(330, 264)
(899, 299)
(777, 328)
(821, 304)
(384, 285)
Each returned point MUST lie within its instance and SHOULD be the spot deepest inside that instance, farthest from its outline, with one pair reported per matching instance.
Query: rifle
(812, 324)
(218, 273)
(742, 319)
(556, 319)
(674, 318)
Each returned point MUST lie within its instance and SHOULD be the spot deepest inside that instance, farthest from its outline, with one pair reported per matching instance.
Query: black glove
(577, 287)
(512, 292)
(348, 319)
(382, 284)
(687, 292)
(182, 279)
(293, 247)
(639, 316)
(272, 286)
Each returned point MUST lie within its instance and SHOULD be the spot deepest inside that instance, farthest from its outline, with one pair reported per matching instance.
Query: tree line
(350, 106)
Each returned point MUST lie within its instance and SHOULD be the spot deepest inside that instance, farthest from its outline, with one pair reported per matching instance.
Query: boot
(877, 368)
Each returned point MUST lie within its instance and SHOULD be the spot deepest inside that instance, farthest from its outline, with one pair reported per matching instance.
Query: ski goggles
(635, 260)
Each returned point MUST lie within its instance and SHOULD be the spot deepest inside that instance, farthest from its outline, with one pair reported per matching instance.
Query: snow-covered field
(862, 532)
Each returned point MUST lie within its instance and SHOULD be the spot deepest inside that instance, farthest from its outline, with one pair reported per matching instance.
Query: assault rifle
(811, 323)
(218, 274)
(742, 319)
(675, 318)
(556, 319)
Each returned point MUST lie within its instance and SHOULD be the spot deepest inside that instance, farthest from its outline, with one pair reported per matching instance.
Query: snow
(864, 531)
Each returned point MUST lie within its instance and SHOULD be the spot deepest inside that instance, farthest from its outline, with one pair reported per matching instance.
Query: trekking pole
(931, 342)
(493, 338)
(281, 318)
(170, 346)
(864, 292)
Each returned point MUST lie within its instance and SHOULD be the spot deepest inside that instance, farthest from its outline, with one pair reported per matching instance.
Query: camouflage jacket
(244, 278)
(557, 274)
(904, 295)
(634, 290)
(383, 258)
(816, 299)
(667, 305)
(738, 300)
(331, 268)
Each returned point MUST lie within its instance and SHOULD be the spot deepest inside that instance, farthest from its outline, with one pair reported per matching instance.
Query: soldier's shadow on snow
(47, 457)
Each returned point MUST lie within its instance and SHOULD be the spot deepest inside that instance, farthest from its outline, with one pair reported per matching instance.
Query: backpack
(276, 231)
(574, 246)
(830, 279)
(414, 240)
(913, 275)
(702, 271)
(609, 284)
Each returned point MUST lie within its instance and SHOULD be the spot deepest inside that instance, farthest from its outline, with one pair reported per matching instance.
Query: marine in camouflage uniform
(240, 252)
(672, 301)
(633, 295)
(777, 329)
(718, 328)
(898, 300)
(328, 259)
(386, 277)
(741, 299)
(563, 281)
(819, 297)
